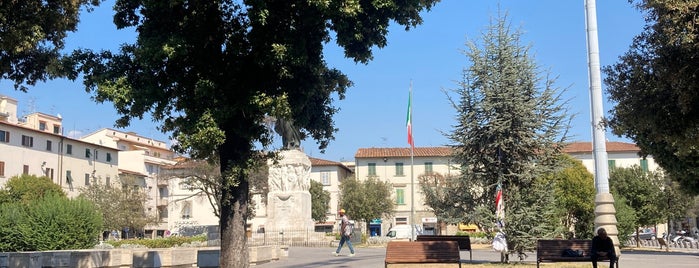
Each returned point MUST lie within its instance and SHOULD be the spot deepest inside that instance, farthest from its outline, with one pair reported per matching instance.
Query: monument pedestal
(288, 200)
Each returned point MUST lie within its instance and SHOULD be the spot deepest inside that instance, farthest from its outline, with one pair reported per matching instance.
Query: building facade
(143, 159)
(34, 145)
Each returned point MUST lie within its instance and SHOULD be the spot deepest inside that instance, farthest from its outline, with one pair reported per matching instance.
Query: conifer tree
(511, 125)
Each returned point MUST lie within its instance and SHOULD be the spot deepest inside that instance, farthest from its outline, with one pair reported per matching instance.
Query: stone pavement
(374, 257)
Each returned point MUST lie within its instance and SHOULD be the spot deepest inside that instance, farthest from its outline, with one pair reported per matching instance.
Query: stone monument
(288, 200)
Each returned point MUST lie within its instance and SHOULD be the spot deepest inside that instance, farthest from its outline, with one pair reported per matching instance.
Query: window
(611, 164)
(400, 196)
(401, 221)
(4, 136)
(187, 210)
(372, 169)
(428, 168)
(25, 170)
(97, 155)
(69, 149)
(2, 169)
(87, 153)
(399, 169)
(87, 179)
(56, 129)
(325, 178)
(109, 157)
(48, 145)
(48, 172)
(42, 125)
(69, 179)
(27, 141)
(107, 181)
(644, 165)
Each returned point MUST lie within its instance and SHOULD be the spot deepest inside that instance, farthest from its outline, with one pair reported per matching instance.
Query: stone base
(289, 211)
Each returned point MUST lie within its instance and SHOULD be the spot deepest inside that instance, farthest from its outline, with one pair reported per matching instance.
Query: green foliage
(510, 130)
(166, 242)
(27, 188)
(232, 64)
(32, 37)
(625, 216)
(366, 200)
(654, 89)
(320, 201)
(574, 192)
(13, 238)
(120, 205)
(50, 223)
(641, 191)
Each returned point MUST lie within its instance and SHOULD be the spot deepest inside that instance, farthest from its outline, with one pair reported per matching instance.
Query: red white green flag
(409, 120)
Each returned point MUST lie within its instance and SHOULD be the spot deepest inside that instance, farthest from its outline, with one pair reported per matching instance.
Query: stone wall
(141, 258)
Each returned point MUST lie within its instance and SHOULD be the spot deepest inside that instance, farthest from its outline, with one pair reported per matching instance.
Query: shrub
(167, 242)
(58, 223)
(11, 237)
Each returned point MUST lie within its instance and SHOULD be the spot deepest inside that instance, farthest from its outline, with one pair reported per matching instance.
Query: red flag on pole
(409, 120)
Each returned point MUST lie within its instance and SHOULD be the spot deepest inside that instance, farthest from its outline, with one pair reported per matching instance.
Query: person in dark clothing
(602, 245)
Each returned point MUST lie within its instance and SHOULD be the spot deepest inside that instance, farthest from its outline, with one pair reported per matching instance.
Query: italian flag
(409, 120)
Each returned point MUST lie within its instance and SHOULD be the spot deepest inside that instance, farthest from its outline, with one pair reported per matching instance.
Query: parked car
(645, 234)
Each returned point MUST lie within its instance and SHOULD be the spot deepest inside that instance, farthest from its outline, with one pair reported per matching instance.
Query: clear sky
(374, 111)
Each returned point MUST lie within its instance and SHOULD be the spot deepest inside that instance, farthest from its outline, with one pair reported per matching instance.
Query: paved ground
(374, 257)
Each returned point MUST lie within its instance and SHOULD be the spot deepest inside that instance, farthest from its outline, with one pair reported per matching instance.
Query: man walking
(345, 234)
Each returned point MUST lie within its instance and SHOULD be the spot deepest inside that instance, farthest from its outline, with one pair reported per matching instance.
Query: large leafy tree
(654, 88)
(212, 71)
(33, 34)
(120, 204)
(510, 130)
(574, 191)
(366, 200)
(27, 188)
(641, 191)
(320, 201)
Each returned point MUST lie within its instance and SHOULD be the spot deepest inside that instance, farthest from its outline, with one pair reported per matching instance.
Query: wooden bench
(464, 241)
(434, 253)
(552, 251)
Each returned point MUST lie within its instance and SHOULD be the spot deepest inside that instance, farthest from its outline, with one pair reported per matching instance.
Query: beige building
(142, 158)
(35, 145)
(619, 154)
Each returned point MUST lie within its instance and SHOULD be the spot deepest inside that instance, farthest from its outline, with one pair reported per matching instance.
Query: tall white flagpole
(412, 174)
(604, 201)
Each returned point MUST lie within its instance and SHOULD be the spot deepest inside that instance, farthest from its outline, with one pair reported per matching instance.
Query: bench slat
(422, 252)
(552, 251)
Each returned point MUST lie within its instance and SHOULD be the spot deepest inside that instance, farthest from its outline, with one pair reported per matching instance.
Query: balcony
(162, 182)
(162, 202)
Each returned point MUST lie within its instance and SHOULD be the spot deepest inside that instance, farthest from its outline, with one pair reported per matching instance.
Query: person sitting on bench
(602, 246)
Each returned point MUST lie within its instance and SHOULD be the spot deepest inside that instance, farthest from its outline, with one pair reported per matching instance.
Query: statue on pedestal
(291, 135)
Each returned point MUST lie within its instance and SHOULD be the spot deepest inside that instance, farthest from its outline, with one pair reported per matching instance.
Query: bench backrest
(554, 248)
(422, 252)
(464, 241)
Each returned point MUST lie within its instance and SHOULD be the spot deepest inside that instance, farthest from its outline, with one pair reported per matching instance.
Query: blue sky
(374, 110)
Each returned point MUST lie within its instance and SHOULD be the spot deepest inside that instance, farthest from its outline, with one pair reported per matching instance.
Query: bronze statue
(291, 136)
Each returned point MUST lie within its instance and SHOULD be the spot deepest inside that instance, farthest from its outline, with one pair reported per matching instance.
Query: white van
(400, 232)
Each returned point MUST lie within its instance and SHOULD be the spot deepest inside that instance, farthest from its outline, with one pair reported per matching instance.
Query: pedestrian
(345, 233)
(602, 245)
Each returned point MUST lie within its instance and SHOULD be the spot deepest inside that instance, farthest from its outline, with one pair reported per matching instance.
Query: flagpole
(412, 174)
(604, 201)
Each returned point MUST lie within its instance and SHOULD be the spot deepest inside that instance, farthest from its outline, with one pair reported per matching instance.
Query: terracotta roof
(317, 162)
(612, 146)
(402, 152)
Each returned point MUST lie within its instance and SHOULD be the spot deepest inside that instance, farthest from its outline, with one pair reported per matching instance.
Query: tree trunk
(234, 204)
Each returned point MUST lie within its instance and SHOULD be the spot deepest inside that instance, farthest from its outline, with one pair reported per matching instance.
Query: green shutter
(372, 169)
(644, 165)
(400, 196)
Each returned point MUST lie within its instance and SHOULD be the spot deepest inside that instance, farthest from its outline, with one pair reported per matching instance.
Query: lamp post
(604, 201)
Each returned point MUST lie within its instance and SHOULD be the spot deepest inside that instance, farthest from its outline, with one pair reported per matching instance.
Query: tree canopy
(510, 129)
(211, 71)
(654, 89)
(33, 34)
(366, 200)
(320, 201)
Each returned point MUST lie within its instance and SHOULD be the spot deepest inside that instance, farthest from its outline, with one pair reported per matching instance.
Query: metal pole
(604, 201)
(412, 177)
